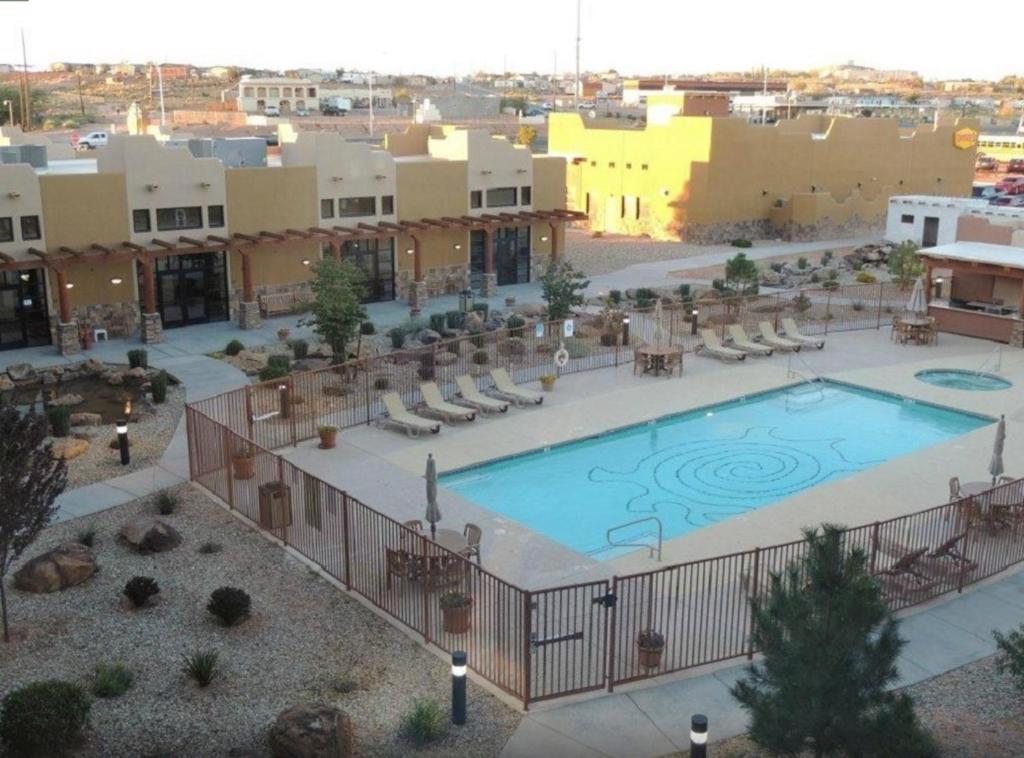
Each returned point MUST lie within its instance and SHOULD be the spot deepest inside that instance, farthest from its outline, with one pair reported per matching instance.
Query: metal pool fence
(538, 644)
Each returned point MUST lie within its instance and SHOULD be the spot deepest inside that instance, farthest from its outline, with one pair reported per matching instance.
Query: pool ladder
(997, 354)
(815, 383)
(652, 548)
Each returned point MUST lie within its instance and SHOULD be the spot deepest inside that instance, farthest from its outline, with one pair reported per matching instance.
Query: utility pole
(26, 107)
(81, 100)
(160, 79)
(371, 102)
(764, 94)
(576, 89)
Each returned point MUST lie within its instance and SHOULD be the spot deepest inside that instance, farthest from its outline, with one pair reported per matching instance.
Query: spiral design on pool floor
(714, 479)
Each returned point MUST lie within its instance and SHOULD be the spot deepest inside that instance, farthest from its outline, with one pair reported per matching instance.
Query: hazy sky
(444, 36)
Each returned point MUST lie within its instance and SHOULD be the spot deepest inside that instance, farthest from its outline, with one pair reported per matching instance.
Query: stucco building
(711, 179)
(287, 95)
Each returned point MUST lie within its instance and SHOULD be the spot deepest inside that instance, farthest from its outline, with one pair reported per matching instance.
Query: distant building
(171, 71)
(219, 72)
(850, 71)
(7, 68)
(124, 69)
(635, 91)
(255, 95)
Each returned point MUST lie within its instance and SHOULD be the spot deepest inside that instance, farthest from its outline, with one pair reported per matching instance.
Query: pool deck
(596, 401)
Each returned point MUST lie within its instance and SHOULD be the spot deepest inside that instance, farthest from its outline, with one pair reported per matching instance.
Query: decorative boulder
(21, 372)
(311, 731)
(150, 535)
(69, 399)
(138, 374)
(86, 419)
(64, 566)
(115, 379)
(429, 336)
(445, 358)
(473, 323)
(93, 366)
(311, 364)
(69, 448)
(5, 383)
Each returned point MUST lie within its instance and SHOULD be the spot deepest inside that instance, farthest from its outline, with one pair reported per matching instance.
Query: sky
(443, 37)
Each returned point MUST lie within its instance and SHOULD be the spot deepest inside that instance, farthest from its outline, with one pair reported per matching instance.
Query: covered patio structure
(976, 289)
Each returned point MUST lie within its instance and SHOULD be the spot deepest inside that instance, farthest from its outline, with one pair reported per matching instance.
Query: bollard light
(459, 687)
(693, 321)
(938, 288)
(122, 442)
(625, 330)
(283, 395)
(698, 736)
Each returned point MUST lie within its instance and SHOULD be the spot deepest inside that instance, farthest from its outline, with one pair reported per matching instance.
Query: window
(273, 92)
(501, 197)
(357, 206)
(643, 166)
(247, 92)
(611, 164)
(526, 195)
(593, 163)
(622, 206)
(636, 206)
(476, 199)
(629, 166)
(311, 92)
(215, 215)
(588, 204)
(140, 220)
(387, 205)
(286, 91)
(327, 208)
(6, 230)
(30, 228)
(907, 218)
(169, 219)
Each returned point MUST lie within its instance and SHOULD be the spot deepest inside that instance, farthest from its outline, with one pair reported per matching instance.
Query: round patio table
(656, 357)
(449, 539)
(1001, 497)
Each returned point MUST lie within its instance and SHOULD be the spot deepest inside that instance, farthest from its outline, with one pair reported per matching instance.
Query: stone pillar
(64, 297)
(335, 249)
(417, 295)
(152, 328)
(418, 289)
(148, 286)
(67, 338)
(249, 315)
(556, 253)
(489, 285)
(248, 288)
(1017, 335)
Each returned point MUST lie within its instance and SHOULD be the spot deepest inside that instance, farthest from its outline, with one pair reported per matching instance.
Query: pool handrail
(997, 353)
(655, 519)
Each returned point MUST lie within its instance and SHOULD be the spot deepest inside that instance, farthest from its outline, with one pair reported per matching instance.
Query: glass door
(512, 255)
(477, 245)
(191, 289)
(24, 321)
(376, 260)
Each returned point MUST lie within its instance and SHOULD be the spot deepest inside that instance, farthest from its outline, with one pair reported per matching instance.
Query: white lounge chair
(436, 405)
(474, 398)
(793, 333)
(769, 337)
(398, 415)
(712, 346)
(505, 389)
(741, 341)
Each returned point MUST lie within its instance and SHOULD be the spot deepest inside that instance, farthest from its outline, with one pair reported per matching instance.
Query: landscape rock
(64, 566)
(115, 378)
(311, 731)
(49, 378)
(21, 372)
(86, 419)
(70, 448)
(138, 373)
(146, 534)
(429, 336)
(93, 366)
(445, 358)
(6, 385)
(473, 323)
(69, 399)
(310, 364)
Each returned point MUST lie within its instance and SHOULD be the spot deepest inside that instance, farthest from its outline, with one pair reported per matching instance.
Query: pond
(98, 396)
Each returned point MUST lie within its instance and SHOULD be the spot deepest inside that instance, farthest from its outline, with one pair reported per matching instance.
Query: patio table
(658, 358)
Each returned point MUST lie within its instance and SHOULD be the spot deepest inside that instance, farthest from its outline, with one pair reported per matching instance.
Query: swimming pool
(707, 465)
(957, 379)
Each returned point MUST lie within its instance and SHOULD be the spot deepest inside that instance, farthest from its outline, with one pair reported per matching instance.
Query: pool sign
(965, 139)
(567, 328)
(538, 330)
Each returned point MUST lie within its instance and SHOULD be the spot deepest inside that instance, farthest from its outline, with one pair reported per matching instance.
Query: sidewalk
(654, 721)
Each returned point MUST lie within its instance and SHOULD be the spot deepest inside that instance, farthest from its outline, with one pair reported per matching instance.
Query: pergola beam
(70, 251)
(164, 244)
(273, 236)
(218, 239)
(191, 241)
(298, 233)
(5, 257)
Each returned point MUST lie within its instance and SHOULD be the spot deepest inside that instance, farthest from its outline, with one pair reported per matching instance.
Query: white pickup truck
(93, 140)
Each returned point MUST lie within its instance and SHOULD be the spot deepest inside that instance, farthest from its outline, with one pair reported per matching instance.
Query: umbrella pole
(433, 531)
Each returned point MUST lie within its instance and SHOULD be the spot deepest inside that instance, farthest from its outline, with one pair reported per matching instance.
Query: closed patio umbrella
(433, 511)
(995, 466)
(917, 303)
(659, 330)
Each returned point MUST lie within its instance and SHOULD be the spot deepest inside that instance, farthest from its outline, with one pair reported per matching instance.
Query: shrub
(427, 723)
(454, 319)
(801, 302)
(515, 326)
(826, 257)
(1011, 655)
(831, 285)
(234, 348)
(43, 718)
(645, 293)
(367, 328)
(279, 360)
(209, 548)
(857, 265)
(381, 383)
(614, 297)
(831, 273)
(138, 358)
(229, 604)
(269, 373)
(166, 503)
(741, 243)
(777, 267)
(864, 277)
(438, 322)
(481, 357)
(201, 667)
(397, 338)
(576, 347)
(815, 278)
(300, 348)
(111, 680)
(86, 537)
(685, 293)
(140, 589)
(857, 305)
(482, 308)
(802, 263)
(60, 420)
(158, 388)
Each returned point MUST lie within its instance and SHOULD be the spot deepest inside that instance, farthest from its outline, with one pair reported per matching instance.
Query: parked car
(1011, 185)
(1016, 166)
(985, 191)
(1008, 201)
(271, 139)
(271, 110)
(93, 140)
(986, 163)
(301, 112)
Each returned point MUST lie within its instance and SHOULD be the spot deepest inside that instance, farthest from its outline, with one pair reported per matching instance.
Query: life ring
(562, 358)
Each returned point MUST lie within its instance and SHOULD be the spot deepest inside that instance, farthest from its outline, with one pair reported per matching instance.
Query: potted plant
(283, 333)
(649, 646)
(510, 301)
(328, 436)
(243, 463)
(456, 612)
(547, 382)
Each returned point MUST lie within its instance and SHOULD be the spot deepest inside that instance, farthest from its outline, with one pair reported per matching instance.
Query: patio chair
(904, 579)
(473, 397)
(505, 389)
(947, 559)
(793, 333)
(712, 346)
(954, 488)
(402, 565)
(741, 341)
(416, 525)
(473, 534)
(639, 359)
(398, 415)
(436, 405)
(769, 337)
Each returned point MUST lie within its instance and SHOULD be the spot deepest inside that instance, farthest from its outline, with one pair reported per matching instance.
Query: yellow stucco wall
(549, 177)
(431, 189)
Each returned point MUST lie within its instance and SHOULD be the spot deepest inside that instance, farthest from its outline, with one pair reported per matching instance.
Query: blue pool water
(956, 379)
(704, 466)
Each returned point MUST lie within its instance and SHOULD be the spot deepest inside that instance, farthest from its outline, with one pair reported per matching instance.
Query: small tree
(905, 264)
(527, 135)
(740, 280)
(830, 645)
(337, 310)
(30, 481)
(563, 287)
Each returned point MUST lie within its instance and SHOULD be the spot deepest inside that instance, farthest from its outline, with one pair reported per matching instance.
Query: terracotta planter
(456, 620)
(547, 384)
(244, 466)
(328, 438)
(650, 658)
(282, 334)
(509, 302)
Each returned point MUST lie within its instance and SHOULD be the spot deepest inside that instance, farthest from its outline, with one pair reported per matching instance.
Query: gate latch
(608, 600)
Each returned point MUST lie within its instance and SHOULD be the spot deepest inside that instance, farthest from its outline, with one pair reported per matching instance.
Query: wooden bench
(281, 302)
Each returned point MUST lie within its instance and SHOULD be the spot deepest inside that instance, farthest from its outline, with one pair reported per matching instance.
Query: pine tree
(562, 289)
(829, 645)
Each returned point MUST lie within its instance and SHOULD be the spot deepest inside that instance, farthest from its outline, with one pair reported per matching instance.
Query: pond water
(99, 397)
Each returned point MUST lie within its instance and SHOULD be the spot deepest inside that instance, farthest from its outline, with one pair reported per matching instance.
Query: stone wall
(119, 319)
(791, 231)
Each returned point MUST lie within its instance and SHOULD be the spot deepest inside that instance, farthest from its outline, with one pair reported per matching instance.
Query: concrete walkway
(645, 721)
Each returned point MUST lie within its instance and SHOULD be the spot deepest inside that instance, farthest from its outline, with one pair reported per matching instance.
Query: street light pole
(10, 111)
(576, 89)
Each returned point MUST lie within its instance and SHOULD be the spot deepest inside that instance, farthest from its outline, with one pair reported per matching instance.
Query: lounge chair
(505, 389)
(474, 398)
(905, 579)
(741, 341)
(436, 405)
(793, 333)
(769, 337)
(712, 346)
(398, 415)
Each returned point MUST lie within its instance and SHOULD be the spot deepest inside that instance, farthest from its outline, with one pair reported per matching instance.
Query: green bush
(826, 257)
(614, 296)
(111, 680)
(229, 604)
(864, 277)
(279, 360)
(139, 589)
(138, 358)
(367, 328)
(271, 372)
(685, 292)
(158, 387)
(802, 263)
(397, 338)
(43, 718)
(59, 417)
(645, 293)
(577, 348)
(857, 265)
(740, 242)
(482, 308)
(455, 319)
(234, 348)
(438, 322)
(427, 723)
(1011, 655)
(300, 348)
(166, 503)
(832, 285)
(86, 537)
(201, 667)
(481, 357)
(515, 326)
(815, 278)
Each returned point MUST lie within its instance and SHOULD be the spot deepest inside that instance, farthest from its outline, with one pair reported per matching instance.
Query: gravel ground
(148, 438)
(304, 638)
